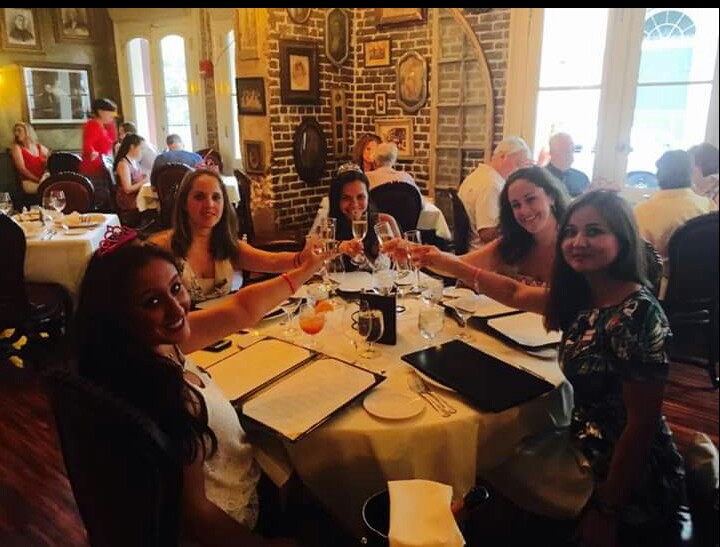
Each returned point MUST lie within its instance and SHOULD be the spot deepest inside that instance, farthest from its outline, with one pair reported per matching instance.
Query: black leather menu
(485, 381)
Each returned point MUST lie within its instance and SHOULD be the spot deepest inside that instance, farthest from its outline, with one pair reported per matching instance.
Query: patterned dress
(600, 350)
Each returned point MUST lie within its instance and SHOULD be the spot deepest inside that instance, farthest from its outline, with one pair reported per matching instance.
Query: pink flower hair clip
(115, 237)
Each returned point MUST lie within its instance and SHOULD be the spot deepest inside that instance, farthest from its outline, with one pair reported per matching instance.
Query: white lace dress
(231, 473)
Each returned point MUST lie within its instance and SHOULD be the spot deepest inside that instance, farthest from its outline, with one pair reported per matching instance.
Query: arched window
(668, 24)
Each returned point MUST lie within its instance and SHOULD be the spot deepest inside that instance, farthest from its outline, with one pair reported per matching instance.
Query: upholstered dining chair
(63, 161)
(691, 300)
(79, 191)
(166, 180)
(211, 157)
(124, 476)
(32, 307)
(399, 199)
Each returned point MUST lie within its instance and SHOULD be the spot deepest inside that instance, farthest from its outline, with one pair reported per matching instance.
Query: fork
(416, 384)
(442, 403)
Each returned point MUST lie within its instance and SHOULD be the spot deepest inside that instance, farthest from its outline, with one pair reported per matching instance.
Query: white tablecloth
(431, 218)
(352, 456)
(63, 258)
(147, 198)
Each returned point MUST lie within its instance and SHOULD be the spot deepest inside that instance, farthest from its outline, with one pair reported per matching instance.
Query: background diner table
(147, 197)
(354, 454)
(63, 258)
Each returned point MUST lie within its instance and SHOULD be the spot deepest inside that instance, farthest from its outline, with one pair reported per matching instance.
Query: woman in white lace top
(133, 326)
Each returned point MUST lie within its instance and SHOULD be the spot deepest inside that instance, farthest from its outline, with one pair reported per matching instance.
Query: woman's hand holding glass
(359, 229)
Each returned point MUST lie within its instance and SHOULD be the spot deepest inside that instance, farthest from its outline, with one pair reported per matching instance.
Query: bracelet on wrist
(289, 282)
(296, 259)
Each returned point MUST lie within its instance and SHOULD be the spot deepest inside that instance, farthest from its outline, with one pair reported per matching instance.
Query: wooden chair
(166, 180)
(124, 475)
(63, 161)
(79, 191)
(399, 199)
(32, 307)
(692, 294)
(456, 216)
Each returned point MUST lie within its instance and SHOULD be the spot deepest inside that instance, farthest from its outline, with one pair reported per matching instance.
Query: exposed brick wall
(297, 201)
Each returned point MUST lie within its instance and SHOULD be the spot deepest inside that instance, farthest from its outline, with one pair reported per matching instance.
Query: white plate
(393, 405)
(356, 281)
(455, 292)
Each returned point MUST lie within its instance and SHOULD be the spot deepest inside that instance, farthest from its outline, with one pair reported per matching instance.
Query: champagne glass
(6, 204)
(384, 232)
(311, 322)
(57, 200)
(370, 327)
(359, 230)
(413, 237)
(465, 306)
(431, 320)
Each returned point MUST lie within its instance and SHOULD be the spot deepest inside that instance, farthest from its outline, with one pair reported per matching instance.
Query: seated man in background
(480, 191)
(562, 156)
(674, 204)
(385, 157)
(149, 152)
(176, 153)
(705, 170)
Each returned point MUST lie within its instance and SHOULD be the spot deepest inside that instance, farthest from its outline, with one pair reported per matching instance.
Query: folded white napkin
(420, 515)
(73, 219)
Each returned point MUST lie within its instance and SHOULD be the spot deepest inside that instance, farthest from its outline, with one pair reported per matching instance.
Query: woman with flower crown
(132, 331)
(204, 239)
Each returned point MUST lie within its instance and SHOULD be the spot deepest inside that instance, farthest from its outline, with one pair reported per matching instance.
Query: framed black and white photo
(254, 157)
(399, 131)
(337, 36)
(73, 25)
(56, 94)
(299, 74)
(20, 30)
(250, 96)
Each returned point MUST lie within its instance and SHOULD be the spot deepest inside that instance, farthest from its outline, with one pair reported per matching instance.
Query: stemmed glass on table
(6, 204)
(363, 323)
(465, 306)
(431, 320)
(57, 200)
(311, 321)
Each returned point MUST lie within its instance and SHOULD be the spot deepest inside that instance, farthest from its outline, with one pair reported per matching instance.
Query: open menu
(288, 388)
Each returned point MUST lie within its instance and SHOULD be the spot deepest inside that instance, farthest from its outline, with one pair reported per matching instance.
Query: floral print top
(601, 349)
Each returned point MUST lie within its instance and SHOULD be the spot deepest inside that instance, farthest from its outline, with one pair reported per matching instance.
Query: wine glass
(350, 323)
(57, 200)
(290, 306)
(370, 326)
(465, 306)
(6, 204)
(311, 322)
(413, 237)
(384, 232)
(47, 215)
(431, 320)
(359, 230)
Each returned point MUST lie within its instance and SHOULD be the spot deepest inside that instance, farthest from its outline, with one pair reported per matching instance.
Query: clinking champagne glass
(413, 237)
(371, 327)
(359, 229)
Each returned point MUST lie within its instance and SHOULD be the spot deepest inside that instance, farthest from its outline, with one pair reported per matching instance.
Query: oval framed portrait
(411, 81)
(299, 15)
(310, 150)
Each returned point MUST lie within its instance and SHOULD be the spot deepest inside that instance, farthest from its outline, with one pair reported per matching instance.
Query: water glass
(6, 204)
(432, 290)
(431, 320)
(383, 281)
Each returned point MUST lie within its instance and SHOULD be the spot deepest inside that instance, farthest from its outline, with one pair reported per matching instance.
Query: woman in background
(364, 151)
(30, 157)
(99, 134)
(204, 238)
(130, 178)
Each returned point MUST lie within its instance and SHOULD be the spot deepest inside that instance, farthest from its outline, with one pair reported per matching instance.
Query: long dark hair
(569, 290)
(109, 354)
(516, 241)
(359, 148)
(343, 230)
(224, 237)
(131, 139)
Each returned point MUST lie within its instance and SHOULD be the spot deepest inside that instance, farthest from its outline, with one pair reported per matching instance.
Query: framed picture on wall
(20, 31)
(390, 17)
(250, 96)
(377, 53)
(73, 25)
(337, 36)
(299, 15)
(380, 103)
(299, 76)
(399, 131)
(411, 81)
(57, 95)
(254, 157)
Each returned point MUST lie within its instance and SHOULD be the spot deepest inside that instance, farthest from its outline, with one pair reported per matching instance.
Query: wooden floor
(37, 507)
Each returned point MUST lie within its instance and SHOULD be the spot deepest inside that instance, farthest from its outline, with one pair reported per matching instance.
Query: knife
(454, 314)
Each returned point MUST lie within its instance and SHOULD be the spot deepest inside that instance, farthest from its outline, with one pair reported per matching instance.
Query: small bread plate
(390, 404)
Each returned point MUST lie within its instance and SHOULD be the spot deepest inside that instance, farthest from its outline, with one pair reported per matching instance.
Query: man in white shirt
(480, 191)
(674, 204)
(385, 156)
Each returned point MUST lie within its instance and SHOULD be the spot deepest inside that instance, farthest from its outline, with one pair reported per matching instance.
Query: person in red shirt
(30, 157)
(99, 134)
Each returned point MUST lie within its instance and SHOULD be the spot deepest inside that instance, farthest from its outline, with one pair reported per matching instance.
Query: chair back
(126, 482)
(399, 199)
(79, 191)
(460, 224)
(693, 255)
(166, 180)
(243, 209)
(14, 306)
(63, 161)
(653, 267)
(211, 157)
